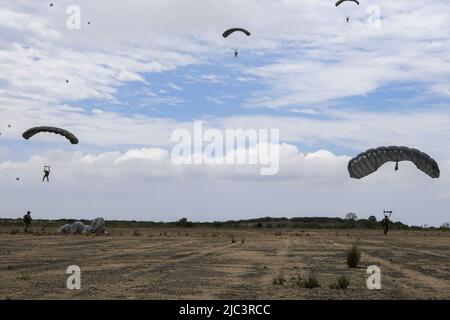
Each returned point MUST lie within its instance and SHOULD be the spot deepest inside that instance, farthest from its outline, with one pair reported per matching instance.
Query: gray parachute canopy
(78, 227)
(233, 30)
(33, 131)
(370, 161)
(342, 1)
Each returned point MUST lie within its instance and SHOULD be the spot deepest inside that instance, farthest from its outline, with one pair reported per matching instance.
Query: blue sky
(139, 72)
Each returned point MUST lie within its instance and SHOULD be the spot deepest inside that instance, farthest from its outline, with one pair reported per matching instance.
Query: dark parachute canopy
(342, 1)
(233, 30)
(370, 161)
(33, 131)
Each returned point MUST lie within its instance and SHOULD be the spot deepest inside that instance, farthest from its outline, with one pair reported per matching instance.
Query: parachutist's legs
(26, 227)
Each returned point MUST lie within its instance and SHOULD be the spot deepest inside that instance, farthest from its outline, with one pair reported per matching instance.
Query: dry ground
(207, 264)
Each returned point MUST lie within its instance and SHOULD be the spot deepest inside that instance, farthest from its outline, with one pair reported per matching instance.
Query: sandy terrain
(205, 264)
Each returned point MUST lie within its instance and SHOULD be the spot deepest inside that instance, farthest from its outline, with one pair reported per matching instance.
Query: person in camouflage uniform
(27, 220)
(386, 221)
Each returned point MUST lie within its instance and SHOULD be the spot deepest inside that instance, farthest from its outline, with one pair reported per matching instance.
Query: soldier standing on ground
(27, 220)
(386, 221)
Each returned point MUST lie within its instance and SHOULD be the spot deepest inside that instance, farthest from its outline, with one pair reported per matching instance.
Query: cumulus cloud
(138, 183)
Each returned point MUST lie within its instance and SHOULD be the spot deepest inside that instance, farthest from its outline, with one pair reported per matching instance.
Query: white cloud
(145, 184)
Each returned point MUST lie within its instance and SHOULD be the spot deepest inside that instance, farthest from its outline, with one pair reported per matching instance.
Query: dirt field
(205, 264)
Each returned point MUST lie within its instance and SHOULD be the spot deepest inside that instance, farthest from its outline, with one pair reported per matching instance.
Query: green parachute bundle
(370, 161)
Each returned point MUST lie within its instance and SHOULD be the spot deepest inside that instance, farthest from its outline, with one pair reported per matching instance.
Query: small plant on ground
(233, 240)
(310, 283)
(279, 279)
(354, 255)
(24, 276)
(136, 233)
(341, 283)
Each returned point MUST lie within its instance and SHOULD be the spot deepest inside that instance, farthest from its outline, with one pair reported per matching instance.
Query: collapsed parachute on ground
(97, 226)
(342, 1)
(33, 131)
(370, 161)
(227, 33)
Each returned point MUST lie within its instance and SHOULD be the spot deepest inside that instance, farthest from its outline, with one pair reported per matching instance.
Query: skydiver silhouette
(386, 221)
(348, 19)
(236, 53)
(46, 173)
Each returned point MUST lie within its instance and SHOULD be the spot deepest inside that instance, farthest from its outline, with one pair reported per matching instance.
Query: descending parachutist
(46, 173)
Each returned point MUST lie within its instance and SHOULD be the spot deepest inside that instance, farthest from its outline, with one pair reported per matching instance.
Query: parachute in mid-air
(342, 1)
(370, 161)
(33, 131)
(227, 33)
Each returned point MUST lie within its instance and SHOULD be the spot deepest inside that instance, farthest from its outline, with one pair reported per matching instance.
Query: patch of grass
(136, 233)
(233, 240)
(279, 279)
(310, 282)
(24, 276)
(242, 241)
(341, 283)
(354, 255)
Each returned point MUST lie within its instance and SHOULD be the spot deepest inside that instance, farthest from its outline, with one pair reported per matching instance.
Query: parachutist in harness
(46, 173)
(348, 19)
(27, 220)
(396, 166)
(236, 53)
(386, 221)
